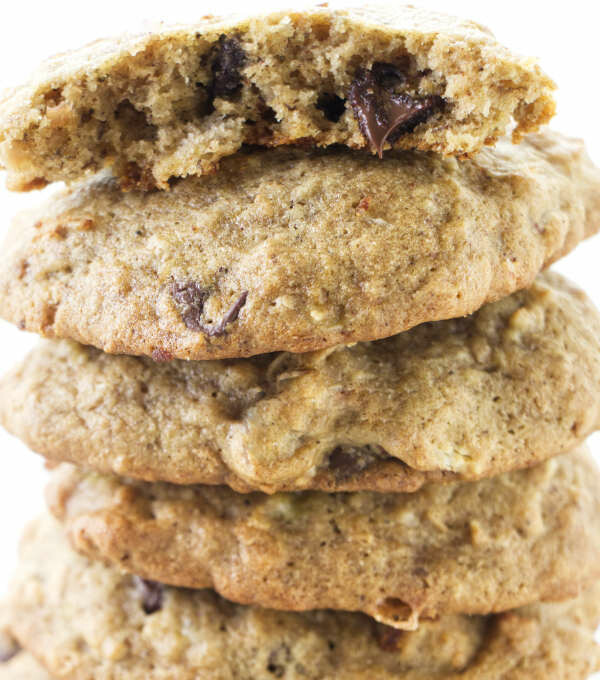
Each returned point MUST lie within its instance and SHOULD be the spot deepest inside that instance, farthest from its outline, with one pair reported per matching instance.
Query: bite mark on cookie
(348, 461)
(229, 59)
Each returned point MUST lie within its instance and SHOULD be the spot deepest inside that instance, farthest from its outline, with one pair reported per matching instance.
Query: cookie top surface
(173, 102)
(85, 620)
(511, 385)
(467, 547)
(284, 250)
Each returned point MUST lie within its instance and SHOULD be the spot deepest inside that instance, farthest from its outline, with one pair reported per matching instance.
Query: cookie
(87, 621)
(173, 102)
(467, 547)
(509, 386)
(15, 663)
(293, 251)
(22, 667)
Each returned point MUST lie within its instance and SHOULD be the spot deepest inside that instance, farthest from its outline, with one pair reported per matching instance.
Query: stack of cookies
(311, 409)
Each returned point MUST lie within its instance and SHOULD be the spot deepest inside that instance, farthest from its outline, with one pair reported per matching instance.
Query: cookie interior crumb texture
(174, 102)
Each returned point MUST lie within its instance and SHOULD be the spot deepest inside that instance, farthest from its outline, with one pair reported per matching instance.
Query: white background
(563, 35)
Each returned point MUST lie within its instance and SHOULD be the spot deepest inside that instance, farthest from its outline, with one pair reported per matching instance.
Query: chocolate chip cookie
(511, 385)
(294, 251)
(470, 547)
(173, 102)
(87, 621)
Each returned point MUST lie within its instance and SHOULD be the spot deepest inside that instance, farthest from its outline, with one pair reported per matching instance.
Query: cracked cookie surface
(467, 547)
(510, 386)
(87, 621)
(173, 102)
(295, 251)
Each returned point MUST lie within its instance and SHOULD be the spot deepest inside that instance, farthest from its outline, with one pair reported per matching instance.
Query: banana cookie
(467, 547)
(87, 621)
(511, 385)
(171, 103)
(284, 250)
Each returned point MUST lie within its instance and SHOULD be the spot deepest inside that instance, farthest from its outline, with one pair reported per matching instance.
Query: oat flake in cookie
(289, 250)
(509, 386)
(173, 102)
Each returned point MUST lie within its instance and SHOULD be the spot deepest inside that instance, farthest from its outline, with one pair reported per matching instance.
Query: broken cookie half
(173, 102)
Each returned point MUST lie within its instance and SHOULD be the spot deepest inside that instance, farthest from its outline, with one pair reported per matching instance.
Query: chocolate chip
(190, 297)
(228, 61)
(152, 594)
(333, 107)
(343, 463)
(388, 637)
(382, 110)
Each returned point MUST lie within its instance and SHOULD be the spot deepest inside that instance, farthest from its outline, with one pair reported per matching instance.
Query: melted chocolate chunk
(229, 59)
(388, 637)
(344, 463)
(332, 106)
(190, 297)
(152, 594)
(348, 461)
(382, 110)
